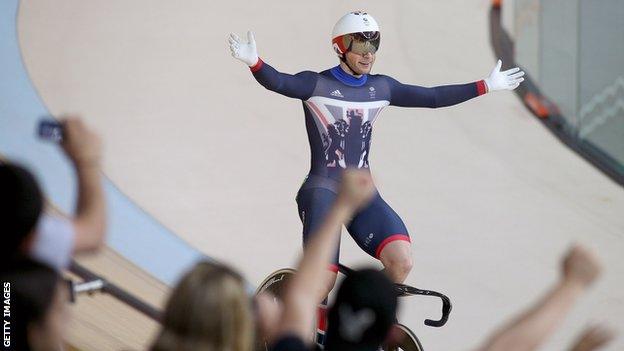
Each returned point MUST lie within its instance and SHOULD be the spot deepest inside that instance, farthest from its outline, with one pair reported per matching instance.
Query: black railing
(93, 283)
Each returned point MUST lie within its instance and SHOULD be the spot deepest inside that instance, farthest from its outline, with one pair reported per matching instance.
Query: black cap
(363, 313)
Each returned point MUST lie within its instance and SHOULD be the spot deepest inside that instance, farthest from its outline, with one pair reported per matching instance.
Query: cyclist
(341, 105)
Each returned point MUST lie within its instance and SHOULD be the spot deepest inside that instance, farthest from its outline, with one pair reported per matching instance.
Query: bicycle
(403, 337)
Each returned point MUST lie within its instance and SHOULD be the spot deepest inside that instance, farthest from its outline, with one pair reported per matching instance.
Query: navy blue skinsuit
(340, 111)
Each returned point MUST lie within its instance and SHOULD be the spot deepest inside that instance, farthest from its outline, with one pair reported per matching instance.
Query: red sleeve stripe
(255, 68)
(481, 87)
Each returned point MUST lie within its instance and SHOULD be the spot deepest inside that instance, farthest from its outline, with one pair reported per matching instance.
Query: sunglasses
(361, 43)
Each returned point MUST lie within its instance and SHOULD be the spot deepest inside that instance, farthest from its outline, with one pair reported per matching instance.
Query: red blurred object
(321, 315)
(537, 105)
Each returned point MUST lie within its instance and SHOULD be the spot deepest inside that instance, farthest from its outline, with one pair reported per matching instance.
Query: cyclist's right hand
(244, 51)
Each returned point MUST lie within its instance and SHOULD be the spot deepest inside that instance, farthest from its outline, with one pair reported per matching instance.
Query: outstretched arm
(406, 95)
(416, 96)
(299, 86)
(580, 268)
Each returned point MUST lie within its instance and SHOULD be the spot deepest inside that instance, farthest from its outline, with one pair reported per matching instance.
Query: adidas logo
(336, 93)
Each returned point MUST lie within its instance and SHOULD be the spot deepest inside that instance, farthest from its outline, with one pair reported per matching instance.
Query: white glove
(245, 52)
(507, 80)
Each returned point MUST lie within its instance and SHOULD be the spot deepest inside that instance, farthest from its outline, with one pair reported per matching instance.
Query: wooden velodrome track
(490, 197)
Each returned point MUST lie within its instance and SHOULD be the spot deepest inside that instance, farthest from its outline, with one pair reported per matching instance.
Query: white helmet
(358, 22)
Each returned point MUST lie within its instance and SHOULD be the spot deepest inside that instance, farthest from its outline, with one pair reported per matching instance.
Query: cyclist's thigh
(377, 225)
(314, 204)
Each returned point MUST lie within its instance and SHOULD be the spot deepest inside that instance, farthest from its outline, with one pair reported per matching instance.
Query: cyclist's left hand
(505, 80)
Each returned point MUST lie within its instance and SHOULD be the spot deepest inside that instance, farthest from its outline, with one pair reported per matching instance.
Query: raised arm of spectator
(579, 269)
(302, 295)
(83, 147)
(593, 338)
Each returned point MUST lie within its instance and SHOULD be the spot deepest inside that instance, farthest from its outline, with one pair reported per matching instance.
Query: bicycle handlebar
(406, 290)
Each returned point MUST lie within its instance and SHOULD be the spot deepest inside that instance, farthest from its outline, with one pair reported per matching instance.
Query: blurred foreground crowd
(210, 308)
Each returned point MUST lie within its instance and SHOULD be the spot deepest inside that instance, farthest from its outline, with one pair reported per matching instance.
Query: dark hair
(363, 313)
(21, 204)
(32, 286)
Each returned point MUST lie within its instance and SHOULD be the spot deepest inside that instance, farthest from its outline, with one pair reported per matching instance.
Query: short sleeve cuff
(54, 241)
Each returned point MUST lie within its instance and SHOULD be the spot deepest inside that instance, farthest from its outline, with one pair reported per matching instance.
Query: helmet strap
(344, 59)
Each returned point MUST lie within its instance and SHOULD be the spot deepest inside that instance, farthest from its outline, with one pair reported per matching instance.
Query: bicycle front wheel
(402, 338)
